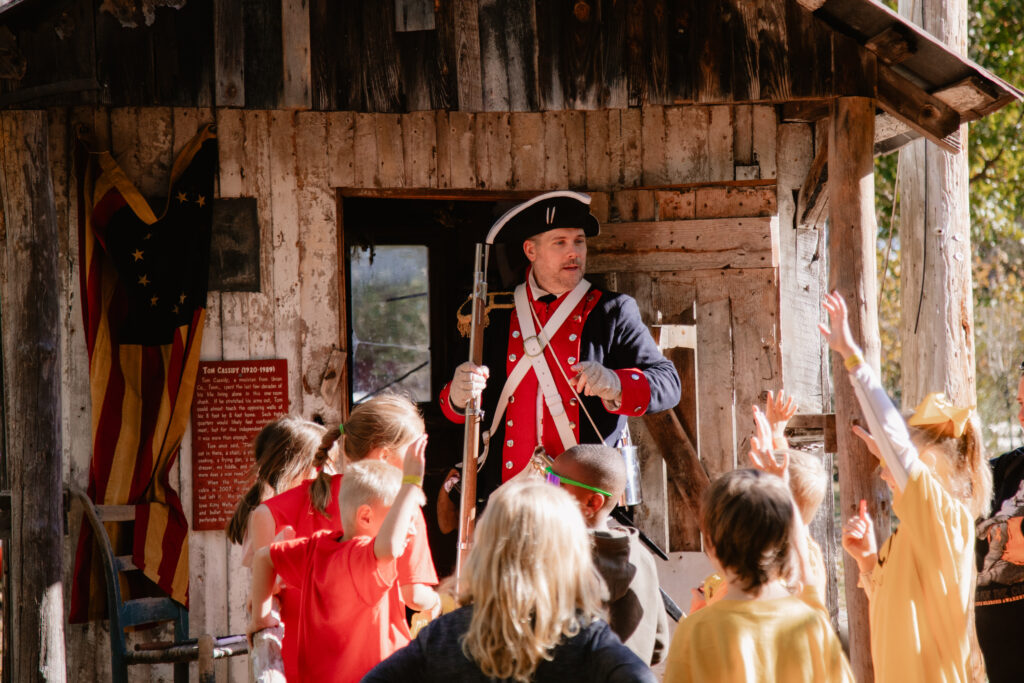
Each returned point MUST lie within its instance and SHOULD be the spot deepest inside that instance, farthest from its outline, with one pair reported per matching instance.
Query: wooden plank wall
(478, 55)
(673, 169)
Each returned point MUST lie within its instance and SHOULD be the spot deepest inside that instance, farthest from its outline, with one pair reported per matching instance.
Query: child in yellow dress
(759, 630)
(919, 584)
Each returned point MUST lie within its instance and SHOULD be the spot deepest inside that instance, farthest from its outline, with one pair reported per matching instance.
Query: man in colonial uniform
(566, 346)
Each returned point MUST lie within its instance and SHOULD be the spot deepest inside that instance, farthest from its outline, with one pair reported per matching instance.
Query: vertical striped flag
(143, 288)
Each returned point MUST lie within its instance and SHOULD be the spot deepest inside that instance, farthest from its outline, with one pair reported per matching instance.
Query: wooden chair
(127, 613)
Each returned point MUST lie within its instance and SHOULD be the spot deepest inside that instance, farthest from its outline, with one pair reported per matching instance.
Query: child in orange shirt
(344, 625)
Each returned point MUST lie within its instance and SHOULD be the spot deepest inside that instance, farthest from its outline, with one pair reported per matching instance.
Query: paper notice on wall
(234, 400)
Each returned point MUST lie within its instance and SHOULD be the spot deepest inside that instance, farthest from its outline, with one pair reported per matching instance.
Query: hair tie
(938, 411)
(341, 428)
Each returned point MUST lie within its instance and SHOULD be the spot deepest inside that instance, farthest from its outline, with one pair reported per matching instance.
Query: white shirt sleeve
(885, 424)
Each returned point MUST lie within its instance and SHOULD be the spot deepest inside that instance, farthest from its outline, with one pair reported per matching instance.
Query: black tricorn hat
(548, 211)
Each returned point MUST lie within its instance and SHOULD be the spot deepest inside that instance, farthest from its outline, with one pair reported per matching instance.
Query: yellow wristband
(413, 479)
(853, 361)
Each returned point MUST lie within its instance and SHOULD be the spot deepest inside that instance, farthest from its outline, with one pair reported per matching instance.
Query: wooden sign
(234, 400)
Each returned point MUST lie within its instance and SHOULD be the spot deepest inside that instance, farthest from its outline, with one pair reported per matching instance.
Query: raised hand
(415, 461)
(859, 539)
(761, 456)
(837, 332)
(779, 408)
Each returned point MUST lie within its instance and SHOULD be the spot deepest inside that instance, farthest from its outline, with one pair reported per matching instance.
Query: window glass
(390, 315)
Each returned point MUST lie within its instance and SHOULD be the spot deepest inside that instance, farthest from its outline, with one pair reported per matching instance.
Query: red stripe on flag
(151, 378)
(171, 544)
(108, 428)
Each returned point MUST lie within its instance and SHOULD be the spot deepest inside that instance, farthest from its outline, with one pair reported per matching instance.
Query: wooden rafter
(925, 113)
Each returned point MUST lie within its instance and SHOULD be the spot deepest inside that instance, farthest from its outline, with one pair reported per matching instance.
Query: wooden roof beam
(922, 112)
(971, 97)
(893, 45)
(805, 111)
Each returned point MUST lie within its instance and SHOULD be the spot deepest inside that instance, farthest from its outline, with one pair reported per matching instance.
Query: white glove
(469, 382)
(594, 379)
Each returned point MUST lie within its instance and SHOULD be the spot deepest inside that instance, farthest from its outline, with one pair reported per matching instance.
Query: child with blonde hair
(344, 626)
(759, 630)
(532, 604)
(382, 428)
(919, 586)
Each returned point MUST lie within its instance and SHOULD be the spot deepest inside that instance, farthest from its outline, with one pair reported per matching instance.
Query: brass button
(508, 464)
(511, 443)
(515, 335)
(512, 357)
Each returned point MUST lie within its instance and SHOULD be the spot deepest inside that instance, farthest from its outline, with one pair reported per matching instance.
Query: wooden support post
(936, 283)
(31, 328)
(937, 320)
(852, 272)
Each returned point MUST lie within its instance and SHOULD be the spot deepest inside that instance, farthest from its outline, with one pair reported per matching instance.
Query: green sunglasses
(558, 480)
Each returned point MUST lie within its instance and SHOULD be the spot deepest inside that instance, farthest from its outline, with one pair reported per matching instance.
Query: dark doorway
(408, 268)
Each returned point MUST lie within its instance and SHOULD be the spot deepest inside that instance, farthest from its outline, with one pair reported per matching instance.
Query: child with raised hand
(760, 629)
(595, 475)
(381, 429)
(344, 625)
(803, 473)
(919, 584)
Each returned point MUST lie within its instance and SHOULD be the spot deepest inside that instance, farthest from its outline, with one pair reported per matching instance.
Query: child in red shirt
(382, 429)
(345, 626)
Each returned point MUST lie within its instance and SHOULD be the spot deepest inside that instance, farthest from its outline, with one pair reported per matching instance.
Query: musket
(474, 415)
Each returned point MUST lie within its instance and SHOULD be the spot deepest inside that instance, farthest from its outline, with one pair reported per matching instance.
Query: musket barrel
(474, 416)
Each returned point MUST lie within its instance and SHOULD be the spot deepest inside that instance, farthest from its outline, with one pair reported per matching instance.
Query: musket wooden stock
(474, 415)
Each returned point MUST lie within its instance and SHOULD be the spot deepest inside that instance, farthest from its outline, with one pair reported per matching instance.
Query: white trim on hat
(511, 213)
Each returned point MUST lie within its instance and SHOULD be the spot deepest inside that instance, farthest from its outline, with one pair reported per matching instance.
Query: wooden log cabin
(701, 129)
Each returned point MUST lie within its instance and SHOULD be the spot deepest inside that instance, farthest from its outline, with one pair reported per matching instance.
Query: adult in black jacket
(532, 604)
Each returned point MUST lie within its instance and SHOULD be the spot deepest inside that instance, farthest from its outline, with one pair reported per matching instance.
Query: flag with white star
(144, 281)
(163, 266)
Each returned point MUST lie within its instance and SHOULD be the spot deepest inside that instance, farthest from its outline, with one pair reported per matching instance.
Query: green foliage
(996, 158)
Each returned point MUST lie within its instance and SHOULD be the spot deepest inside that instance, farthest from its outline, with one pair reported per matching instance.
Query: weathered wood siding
(672, 170)
(480, 55)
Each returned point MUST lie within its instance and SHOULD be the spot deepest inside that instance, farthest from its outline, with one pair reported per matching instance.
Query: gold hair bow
(937, 410)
